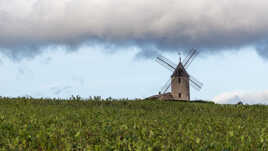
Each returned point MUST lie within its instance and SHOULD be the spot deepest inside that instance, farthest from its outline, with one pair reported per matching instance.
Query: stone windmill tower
(180, 80)
(180, 88)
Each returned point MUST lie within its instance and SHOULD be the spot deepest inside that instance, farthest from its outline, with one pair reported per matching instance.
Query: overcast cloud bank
(27, 26)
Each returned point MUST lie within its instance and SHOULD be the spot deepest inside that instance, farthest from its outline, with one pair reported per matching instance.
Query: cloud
(260, 97)
(28, 26)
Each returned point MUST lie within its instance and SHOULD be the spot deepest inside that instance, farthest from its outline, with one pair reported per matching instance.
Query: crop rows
(75, 124)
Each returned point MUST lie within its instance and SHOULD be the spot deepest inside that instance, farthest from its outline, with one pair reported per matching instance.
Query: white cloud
(166, 24)
(258, 97)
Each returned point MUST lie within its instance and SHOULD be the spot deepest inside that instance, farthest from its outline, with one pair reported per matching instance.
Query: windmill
(180, 79)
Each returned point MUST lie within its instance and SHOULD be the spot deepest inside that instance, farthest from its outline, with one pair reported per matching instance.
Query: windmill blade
(166, 63)
(195, 86)
(195, 83)
(187, 56)
(166, 86)
(189, 59)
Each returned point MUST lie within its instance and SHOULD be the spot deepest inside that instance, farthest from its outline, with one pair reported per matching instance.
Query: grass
(95, 124)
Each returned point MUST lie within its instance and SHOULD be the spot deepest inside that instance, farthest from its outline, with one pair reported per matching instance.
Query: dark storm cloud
(29, 26)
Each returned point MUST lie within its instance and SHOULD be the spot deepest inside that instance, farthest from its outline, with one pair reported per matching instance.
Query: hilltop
(50, 124)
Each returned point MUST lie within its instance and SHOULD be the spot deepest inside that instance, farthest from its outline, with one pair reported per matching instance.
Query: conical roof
(180, 71)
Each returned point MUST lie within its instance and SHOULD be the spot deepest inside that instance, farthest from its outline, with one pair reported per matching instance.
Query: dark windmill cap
(180, 71)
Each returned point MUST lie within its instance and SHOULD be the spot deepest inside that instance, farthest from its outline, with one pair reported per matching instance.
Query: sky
(107, 48)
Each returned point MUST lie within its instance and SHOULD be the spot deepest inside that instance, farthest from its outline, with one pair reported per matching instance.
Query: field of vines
(106, 125)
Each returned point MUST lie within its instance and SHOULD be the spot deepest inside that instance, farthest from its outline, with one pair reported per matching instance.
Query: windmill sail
(188, 56)
(168, 61)
(189, 59)
(165, 63)
(166, 86)
(195, 83)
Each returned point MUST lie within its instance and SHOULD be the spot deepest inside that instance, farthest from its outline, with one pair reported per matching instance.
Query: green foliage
(77, 124)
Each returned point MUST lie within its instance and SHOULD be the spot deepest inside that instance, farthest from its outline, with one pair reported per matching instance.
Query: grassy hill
(50, 124)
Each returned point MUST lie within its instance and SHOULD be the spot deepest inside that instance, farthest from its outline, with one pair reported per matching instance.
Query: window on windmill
(179, 80)
(179, 95)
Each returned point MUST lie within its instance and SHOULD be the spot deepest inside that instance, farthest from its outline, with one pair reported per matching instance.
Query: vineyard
(95, 124)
